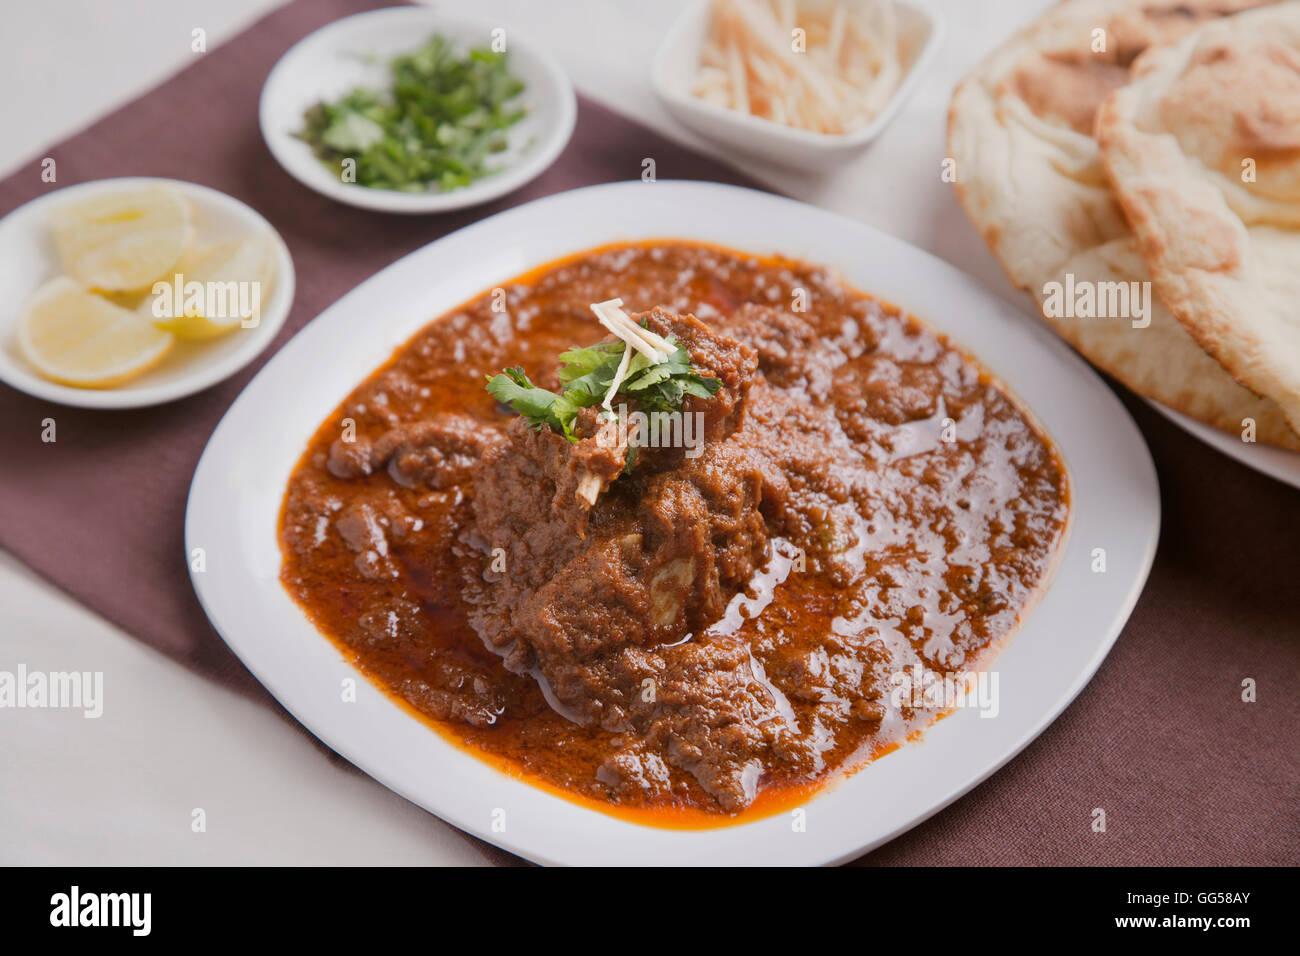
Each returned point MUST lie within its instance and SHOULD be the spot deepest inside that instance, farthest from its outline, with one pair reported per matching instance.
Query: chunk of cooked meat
(660, 560)
(713, 355)
(594, 601)
(575, 473)
(434, 454)
(791, 353)
(704, 706)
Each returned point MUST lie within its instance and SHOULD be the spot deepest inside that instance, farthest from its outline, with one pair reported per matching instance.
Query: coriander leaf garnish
(512, 387)
(586, 375)
(580, 361)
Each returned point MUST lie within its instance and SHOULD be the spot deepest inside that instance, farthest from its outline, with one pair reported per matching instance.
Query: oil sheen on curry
(696, 618)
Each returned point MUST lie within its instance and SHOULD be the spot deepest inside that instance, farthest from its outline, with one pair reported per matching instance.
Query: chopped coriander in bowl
(407, 110)
(436, 127)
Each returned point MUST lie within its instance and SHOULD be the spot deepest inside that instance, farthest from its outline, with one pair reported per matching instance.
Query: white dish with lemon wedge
(80, 323)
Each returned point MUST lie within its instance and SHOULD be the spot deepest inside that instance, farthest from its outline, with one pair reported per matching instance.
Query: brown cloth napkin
(1186, 771)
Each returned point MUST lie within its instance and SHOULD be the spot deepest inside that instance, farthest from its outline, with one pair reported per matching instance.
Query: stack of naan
(1125, 141)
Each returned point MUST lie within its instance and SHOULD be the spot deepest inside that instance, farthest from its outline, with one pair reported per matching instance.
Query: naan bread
(1203, 150)
(1030, 177)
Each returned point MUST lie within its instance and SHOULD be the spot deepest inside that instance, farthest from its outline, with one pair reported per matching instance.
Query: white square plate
(238, 487)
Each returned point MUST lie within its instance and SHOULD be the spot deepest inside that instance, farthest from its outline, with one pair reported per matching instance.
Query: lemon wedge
(125, 240)
(73, 336)
(215, 288)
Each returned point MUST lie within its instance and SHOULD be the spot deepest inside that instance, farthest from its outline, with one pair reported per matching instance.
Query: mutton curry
(684, 627)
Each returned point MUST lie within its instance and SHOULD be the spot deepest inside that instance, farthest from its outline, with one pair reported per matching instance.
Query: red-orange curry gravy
(715, 636)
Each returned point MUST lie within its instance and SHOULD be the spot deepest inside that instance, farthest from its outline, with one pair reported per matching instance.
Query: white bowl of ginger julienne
(800, 83)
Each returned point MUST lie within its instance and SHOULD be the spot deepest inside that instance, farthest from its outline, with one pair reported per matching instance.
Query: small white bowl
(676, 64)
(356, 50)
(28, 260)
